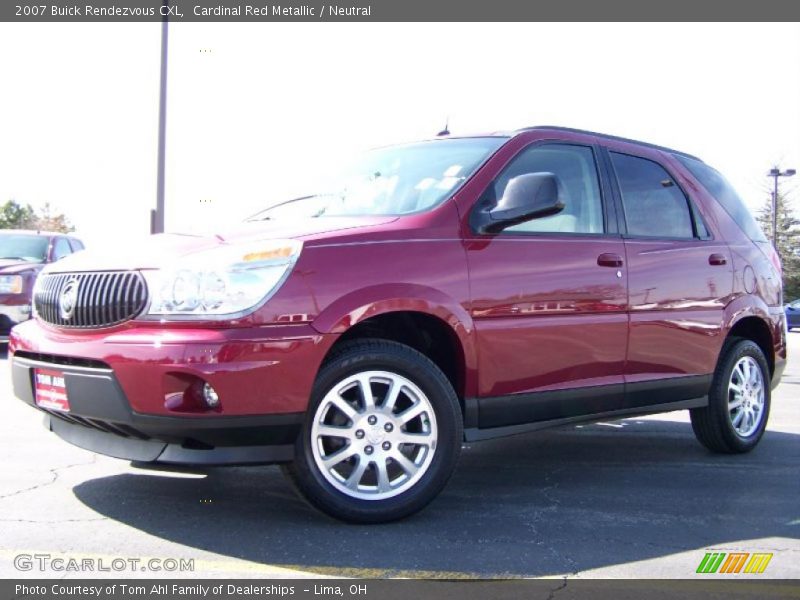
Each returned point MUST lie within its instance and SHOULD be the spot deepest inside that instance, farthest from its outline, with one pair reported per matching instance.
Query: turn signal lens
(11, 284)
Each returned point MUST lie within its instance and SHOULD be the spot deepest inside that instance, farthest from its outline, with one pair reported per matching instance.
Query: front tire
(382, 435)
(738, 401)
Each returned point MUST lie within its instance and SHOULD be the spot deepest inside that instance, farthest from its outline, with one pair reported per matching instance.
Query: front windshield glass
(396, 180)
(23, 247)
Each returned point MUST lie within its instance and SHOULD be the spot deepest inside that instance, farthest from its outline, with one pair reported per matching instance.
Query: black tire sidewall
(718, 400)
(395, 358)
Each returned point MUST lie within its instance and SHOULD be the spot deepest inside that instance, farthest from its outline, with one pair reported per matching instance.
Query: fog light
(210, 396)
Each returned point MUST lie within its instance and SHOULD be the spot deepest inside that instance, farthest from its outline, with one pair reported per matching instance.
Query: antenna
(445, 131)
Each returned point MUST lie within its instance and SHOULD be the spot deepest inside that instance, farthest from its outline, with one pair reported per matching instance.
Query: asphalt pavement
(631, 498)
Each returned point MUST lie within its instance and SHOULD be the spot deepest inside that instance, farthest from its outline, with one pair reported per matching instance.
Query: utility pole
(775, 173)
(157, 216)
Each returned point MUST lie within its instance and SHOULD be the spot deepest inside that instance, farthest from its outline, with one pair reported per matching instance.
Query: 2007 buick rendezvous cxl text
(455, 289)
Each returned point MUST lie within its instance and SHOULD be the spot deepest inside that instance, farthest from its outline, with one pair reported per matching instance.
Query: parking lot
(632, 498)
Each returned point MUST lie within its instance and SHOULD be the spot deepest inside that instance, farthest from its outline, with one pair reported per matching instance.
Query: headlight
(11, 284)
(225, 281)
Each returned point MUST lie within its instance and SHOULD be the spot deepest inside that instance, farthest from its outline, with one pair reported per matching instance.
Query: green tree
(47, 220)
(17, 216)
(788, 245)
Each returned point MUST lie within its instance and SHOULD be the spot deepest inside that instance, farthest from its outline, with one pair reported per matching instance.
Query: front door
(549, 298)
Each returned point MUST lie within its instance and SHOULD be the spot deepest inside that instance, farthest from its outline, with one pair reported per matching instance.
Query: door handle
(717, 260)
(609, 259)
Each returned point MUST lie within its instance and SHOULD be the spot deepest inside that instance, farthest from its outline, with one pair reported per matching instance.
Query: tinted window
(76, 244)
(61, 248)
(653, 203)
(575, 168)
(718, 186)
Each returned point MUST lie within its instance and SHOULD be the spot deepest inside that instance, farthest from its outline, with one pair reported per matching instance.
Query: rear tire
(378, 455)
(738, 401)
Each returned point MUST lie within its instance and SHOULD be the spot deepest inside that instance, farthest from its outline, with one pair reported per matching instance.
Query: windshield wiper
(255, 216)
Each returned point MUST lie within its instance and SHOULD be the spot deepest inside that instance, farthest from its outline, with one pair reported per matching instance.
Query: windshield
(396, 180)
(31, 248)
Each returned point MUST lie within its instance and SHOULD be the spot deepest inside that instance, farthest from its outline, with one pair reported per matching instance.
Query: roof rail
(611, 137)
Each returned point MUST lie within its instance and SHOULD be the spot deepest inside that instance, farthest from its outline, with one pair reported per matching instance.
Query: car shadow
(558, 501)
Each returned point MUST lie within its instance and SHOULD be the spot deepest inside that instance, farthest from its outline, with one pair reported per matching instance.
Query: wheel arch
(418, 316)
(749, 318)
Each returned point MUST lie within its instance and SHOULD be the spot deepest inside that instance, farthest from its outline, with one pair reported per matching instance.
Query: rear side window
(76, 244)
(575, 168)
(723, 192)
(653, 203)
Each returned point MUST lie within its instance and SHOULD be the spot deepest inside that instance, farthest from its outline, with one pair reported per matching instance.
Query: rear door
(679, 277)
(549, 297)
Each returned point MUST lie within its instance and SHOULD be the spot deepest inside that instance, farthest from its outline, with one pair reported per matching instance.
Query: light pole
(775, 173)
(157, 216)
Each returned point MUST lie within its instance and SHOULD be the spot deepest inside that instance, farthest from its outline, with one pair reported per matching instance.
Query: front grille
(89, 300)
(57, 359)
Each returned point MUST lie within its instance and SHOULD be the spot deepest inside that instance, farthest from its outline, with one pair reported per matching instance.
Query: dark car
(793, 314)
(23, 254)
(461, 288)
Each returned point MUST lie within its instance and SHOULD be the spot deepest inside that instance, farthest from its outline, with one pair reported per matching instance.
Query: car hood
(154, 251)
(9, 266)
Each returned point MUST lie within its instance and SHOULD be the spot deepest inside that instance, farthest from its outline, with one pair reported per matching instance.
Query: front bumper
(101, 420)
(120, 385)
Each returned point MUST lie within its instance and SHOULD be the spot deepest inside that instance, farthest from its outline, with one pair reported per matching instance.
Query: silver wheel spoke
(357, 475)
(401, 459)
(344, 407)
(340, 455)
(366, 392)
(738, 418)
(383, 475)
(391, 396)
(411, 413)
(735, 403)
(331, 431)
(418, 439)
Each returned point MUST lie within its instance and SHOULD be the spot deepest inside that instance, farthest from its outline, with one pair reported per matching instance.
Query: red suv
(456, 289)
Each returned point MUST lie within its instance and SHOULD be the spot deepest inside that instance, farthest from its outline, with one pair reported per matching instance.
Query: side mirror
(527, 196)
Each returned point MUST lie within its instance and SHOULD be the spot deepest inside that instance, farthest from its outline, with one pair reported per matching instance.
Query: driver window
(575, 168)
(61, 249)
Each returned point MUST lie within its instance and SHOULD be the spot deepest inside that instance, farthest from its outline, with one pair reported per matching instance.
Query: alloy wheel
(374, 435)
(746, 396)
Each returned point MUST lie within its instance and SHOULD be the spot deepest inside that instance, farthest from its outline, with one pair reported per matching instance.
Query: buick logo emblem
(68, 299)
